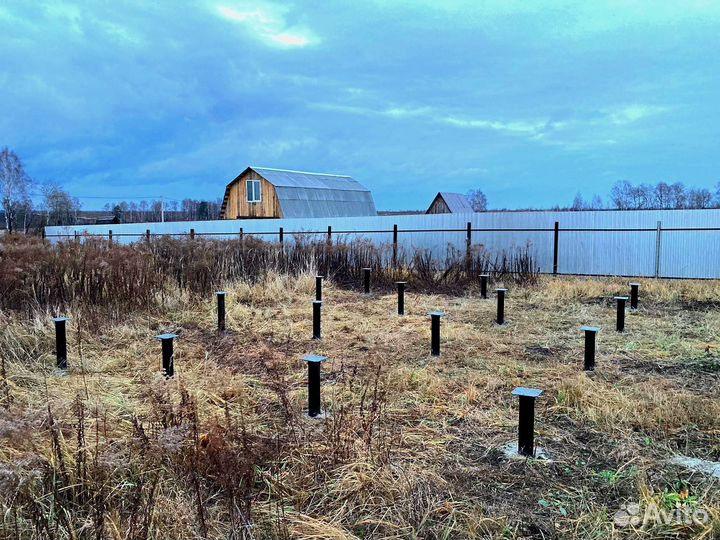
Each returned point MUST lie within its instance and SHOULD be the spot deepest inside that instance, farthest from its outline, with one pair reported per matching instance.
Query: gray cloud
(513, 97)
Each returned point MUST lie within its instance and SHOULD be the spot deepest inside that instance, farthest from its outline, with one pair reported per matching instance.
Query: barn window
(253, 191)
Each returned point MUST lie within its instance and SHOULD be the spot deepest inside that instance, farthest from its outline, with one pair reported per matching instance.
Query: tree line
(625, 195)
(167, 210)
(17, 188)
(661, 196)
(55, 206)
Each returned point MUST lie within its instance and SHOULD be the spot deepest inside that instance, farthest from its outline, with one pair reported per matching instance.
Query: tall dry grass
(118, 278)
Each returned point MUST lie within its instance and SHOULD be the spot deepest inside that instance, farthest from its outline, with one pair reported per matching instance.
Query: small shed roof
(457, 203)
(307, 194)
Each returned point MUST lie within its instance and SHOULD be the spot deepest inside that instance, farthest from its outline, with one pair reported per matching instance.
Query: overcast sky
(530, 101)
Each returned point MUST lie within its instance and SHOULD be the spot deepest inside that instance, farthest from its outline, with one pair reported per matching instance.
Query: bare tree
(578, 202)
(625, 196)
(156, 210)
(61, 208)
(596, 203)
(189, 209)
(669, 196)
(699, 198)
(477, 199)
(14, 185)
(133, 211)
(25, 214)
(678, 197)
(621, 195)
(143, 209)
(662, 196)
(642, 196)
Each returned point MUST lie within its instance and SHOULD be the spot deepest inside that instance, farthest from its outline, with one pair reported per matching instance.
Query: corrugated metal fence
(663, 243)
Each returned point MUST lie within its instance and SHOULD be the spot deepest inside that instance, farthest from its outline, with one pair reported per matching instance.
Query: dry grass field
(410, 447)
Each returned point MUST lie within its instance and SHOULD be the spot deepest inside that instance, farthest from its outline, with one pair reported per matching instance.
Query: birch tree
(62, 209)
(477, 199)
(14, 185)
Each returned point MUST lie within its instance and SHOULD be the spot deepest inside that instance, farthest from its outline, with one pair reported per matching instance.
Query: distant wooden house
(450, 203)
(107, 220)
(98, 219)
(274, 193)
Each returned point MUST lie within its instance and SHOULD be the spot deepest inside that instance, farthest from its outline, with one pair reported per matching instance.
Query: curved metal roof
(306, 194)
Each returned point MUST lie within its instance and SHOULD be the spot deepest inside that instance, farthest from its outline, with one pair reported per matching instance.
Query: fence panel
(690, 253)
(589, 242)
(619, 253)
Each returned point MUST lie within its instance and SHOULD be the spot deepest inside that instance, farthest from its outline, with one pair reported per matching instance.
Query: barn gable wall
(238, 206)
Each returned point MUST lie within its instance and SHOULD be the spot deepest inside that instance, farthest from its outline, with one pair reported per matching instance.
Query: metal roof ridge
(299, 172)
(333, 188)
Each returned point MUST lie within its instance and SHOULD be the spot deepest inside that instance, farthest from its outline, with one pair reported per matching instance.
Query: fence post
(242, 237)
(468, 247)
(395, 245)
(192, 234)
(658, 245)
(147, 235)
(555, 247)
(110, 236)
(329, 236)
(43, 233)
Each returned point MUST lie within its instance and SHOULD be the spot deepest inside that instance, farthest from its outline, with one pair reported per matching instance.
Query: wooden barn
(450, 203)
(274, 193)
